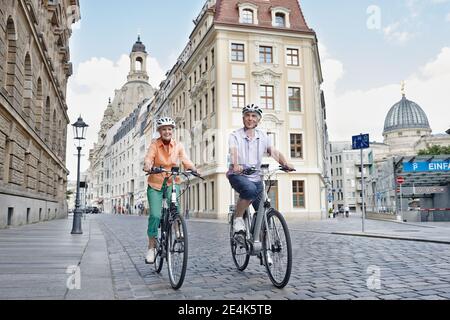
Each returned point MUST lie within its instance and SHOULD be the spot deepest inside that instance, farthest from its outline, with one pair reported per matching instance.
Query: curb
(381, 236)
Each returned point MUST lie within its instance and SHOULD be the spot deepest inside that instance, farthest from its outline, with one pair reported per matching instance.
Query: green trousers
(155, 199)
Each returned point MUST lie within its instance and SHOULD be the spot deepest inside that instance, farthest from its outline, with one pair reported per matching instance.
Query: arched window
(39, 106)
(28, 88)
(280, 20)
(248, 16)
(139, 64)
(10, 57)
(46, 123)
(54, 132)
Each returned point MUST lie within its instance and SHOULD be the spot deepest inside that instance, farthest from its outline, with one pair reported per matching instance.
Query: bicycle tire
(177, 244)
(277, 249)
(241, 263)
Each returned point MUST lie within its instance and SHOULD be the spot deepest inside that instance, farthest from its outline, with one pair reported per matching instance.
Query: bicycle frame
(265, 206)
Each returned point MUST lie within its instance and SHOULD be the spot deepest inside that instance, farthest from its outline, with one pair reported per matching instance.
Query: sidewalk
(34, 260)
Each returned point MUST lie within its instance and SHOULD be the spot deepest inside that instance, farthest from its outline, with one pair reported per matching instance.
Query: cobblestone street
(325, 266)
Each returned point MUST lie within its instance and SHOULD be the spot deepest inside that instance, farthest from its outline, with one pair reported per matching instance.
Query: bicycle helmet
(165, 122)
(252, 108)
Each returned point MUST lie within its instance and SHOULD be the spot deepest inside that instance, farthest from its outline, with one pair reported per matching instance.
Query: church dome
(139, 46)
(406, 114)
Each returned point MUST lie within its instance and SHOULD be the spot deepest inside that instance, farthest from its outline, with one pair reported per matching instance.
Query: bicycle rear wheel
(277, 249)
(177, 252)
(239, 247)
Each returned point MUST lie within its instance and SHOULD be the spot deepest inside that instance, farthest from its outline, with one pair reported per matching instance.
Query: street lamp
(79, 131)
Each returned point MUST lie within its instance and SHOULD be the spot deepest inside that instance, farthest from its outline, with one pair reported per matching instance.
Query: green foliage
(69, 193)
(435, 151)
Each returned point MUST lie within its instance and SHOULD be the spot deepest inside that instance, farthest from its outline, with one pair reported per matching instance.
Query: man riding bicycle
(247, 148)
(164, 152)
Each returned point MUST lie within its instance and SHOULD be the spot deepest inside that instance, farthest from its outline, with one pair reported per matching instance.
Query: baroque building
(111, 175)
(34, 70)
(240, 53)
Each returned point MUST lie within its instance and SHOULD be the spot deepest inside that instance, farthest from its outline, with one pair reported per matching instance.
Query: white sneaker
(239, 225)
(151, 255)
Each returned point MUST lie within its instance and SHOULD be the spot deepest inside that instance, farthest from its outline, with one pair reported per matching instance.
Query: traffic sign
(400, 180)
(361, 142)
(422, 166)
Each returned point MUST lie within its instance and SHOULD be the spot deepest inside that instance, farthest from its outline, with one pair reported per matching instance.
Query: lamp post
(79, 130)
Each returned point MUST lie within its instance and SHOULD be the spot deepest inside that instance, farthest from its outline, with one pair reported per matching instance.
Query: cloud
(393, 33)
(448, 17)
(356, 111)
(92, 83)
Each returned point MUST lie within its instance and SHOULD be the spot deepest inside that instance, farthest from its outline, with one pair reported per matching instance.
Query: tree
(435, 151)
(69, 193)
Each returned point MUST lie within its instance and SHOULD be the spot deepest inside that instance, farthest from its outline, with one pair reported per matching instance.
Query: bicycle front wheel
(277, 249)
(177, 252)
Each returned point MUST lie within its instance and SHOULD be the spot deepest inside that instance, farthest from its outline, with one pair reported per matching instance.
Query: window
(237, 52)
(297, 146)
(213, 97)
(205, 188)
(238, 95)
(265, 54)
(298, 194)
(294, 99)
(212, 57)
(280, 20)
(267, 97)
(212, 196)
(247, 16)
(292, 57)
(206, 64)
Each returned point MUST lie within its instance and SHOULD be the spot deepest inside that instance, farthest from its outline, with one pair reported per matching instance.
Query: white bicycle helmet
(252, 108)
(165, 122)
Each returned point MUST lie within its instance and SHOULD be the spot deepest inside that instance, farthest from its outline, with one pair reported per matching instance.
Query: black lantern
(79, 131)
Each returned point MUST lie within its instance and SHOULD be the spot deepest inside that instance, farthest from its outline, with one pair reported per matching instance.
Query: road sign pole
(363, 193)
(401, 201)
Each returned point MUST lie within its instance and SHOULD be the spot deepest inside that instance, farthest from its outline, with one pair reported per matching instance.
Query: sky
(367, 48)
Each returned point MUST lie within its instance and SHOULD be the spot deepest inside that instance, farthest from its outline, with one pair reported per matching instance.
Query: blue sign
(435, 166)
(361, 142)
(330, 198)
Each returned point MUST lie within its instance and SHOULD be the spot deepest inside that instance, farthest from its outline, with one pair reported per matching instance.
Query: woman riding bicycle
(164, 152)
(247, 149)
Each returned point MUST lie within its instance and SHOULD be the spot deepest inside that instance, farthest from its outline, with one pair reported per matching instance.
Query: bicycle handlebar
(175, 172)
(253, 170)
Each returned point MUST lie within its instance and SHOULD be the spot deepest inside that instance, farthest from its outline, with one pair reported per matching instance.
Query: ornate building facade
(240, 53)
(34, 69)
(112, 173)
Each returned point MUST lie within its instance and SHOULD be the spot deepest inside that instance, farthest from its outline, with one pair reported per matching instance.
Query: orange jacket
(159, 155)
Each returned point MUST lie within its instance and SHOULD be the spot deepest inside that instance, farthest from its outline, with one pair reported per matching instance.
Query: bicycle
(172, 240)
(267, 237)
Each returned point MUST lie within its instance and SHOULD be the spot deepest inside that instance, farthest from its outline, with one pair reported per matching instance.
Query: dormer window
(248, 13)
(281, 17)
(247, 16)
(280, 20)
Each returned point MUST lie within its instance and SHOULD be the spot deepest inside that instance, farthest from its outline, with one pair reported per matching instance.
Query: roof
(139, 46)
(227, 11)
(406, 114)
